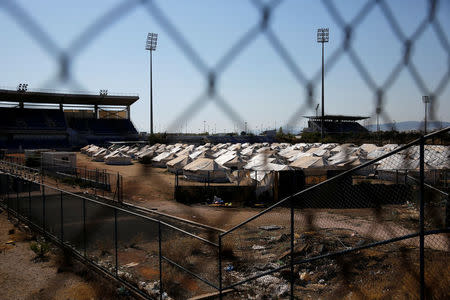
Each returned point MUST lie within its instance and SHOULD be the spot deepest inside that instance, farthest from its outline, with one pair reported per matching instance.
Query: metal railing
(99, 180)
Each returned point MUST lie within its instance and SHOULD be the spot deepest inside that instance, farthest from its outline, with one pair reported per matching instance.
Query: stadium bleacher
(24, 119)
(103, 126)
(338, 127)
(67, 124)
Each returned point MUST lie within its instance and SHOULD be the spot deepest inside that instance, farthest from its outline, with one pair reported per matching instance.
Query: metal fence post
(220, 267)
(84, 226)
(29, 200)
(292, 278)
(121, 188)
(17, 206)
(115, 241)
(62, 217)
(447, 212)
(7, 195)
(160, 261)
(176, 185)
(43, 207)
(421, 220)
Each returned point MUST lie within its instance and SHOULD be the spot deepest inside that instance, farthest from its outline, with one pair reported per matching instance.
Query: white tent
(161, 159)
(247, 151)
(100, 155)
(146, 156)
(203, 168)
(142, 150)
(85, 148)
(117, 158)
(231, 159)
(308, 162)
(186, 151)
(92, 150)
(178, 163)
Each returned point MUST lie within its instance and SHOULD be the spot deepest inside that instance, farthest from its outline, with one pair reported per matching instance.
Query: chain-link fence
(348, 48)
(323, 244)
(356, 233)
(139, 251)
(352, 234)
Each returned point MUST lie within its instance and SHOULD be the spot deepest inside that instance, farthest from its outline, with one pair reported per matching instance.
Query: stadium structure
(37, 119)
(335, 124)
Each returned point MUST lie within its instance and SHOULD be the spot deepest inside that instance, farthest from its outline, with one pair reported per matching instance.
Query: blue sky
(257, 84)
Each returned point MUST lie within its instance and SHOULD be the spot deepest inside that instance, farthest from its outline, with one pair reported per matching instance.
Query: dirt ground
(373, 273)
(24, 277)
(154, 188)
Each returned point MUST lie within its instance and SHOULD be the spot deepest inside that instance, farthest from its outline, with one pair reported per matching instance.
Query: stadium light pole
(322, 37)
(426, 100)
(150, 45)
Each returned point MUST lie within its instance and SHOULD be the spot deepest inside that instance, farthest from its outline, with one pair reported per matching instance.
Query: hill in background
(408, 126)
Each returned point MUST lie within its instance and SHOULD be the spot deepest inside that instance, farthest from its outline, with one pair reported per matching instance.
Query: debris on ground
(270, 227)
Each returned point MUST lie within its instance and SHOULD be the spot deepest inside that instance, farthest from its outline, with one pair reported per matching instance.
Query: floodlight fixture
(323, 35)
(152, 40)
(103, 92)
(22, 87)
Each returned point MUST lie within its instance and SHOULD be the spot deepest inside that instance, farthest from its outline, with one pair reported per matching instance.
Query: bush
(156, 138)
(41, 249)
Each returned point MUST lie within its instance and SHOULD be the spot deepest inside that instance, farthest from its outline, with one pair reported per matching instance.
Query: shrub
(41, 249)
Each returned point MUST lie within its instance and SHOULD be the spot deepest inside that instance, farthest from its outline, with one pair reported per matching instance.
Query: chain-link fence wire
(65, 57)
(129, 246)
(353, 210)
(436, 216)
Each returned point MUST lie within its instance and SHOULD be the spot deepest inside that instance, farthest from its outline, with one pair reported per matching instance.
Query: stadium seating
(103, 126)
(338, 127)
(25, 128)
(32, 119)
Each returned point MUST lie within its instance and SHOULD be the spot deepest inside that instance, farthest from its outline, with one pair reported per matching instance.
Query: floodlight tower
(322, 37)
(426, 100)
(150, 45)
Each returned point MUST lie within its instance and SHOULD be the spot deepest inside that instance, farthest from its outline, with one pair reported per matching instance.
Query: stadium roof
(66, 98)
(338, 118)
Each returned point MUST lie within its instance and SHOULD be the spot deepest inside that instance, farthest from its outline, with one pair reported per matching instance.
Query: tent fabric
(203, 168)
(161, 159)
(118, 159)
(100, 155)
(308, 162)
(178, 163)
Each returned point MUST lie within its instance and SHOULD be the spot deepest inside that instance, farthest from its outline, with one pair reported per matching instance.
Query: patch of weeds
(41, 249)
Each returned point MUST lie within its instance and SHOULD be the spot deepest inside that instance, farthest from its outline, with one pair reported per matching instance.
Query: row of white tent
(218, 160)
